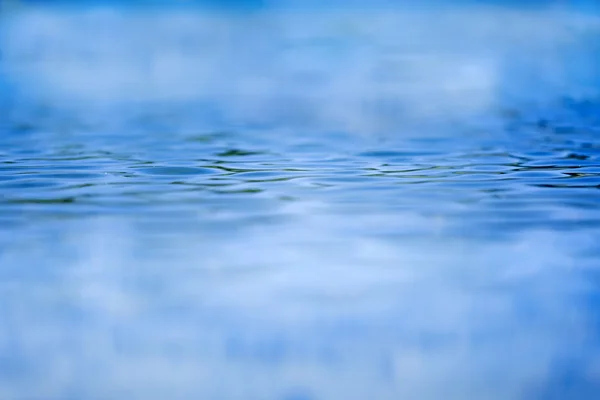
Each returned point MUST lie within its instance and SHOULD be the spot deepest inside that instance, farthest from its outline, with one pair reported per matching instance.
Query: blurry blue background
(299, 200)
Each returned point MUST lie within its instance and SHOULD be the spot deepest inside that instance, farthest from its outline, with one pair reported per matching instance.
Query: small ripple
(238, 153)
(28, 183)
(57, 200)
(158, 170)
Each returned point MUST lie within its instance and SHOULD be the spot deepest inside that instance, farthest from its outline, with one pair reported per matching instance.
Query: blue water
(374, 203)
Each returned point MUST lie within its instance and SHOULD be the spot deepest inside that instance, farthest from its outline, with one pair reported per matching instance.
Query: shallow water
(299, 205)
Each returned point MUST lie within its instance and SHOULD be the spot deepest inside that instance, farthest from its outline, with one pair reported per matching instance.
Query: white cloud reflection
(299, 309)
(355, 71)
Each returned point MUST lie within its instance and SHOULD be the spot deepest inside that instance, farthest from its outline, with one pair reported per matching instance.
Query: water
(298, 205)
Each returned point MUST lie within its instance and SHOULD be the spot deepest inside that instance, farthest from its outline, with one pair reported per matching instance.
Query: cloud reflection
(285, 311)
(371, 71)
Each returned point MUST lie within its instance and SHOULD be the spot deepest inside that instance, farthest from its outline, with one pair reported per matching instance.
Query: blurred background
(299, 200)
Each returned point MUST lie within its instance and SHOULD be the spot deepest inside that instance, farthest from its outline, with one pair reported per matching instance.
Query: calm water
(399, 204)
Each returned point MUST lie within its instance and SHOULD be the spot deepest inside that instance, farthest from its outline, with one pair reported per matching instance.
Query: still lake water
(358, 204)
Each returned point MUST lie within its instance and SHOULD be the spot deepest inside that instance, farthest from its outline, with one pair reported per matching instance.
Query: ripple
(158, 170)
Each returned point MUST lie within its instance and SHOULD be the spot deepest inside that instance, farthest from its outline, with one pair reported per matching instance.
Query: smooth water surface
(359, 204)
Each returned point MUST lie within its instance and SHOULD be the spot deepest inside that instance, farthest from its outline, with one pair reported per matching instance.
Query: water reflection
(299, 205)
(309, 301)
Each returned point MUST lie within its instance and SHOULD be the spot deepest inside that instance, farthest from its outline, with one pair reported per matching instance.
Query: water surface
(299, 205)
